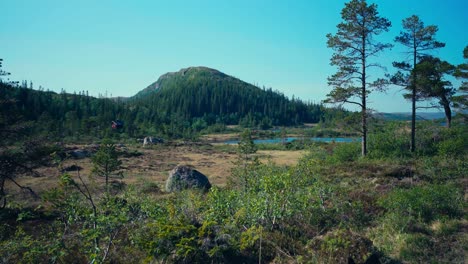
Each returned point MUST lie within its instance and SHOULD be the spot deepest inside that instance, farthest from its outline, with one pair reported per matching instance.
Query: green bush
(391, 141)
(454, 142)
(417, 248)
(341, 246)
(425, 203)
(440, 169)
(345, 152)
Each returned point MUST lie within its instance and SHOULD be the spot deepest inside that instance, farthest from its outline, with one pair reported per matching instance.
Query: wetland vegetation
(79, 183)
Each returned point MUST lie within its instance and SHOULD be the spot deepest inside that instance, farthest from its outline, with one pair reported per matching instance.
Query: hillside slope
(201, 91)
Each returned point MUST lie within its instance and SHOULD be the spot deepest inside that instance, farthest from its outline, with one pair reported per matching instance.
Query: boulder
(151, 140)
(79, 153)
(184, 177)
(72, 168)
(147, 141)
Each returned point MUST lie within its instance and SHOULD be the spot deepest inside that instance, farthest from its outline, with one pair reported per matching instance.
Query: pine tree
(419, 40)
(430, 83)
(106, 163)
(354, 45)
(461, 99)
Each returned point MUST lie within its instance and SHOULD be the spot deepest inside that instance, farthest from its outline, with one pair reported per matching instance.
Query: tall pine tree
(419, 40)
(354, 44)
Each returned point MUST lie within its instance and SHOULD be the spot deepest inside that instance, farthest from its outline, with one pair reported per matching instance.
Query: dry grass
(155, 163)
(219, 137)
(281, 157)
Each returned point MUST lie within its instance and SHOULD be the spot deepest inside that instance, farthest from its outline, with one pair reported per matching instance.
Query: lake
(290, 139)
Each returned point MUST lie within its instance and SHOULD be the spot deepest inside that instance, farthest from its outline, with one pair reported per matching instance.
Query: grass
(403, 209)
(145, 166)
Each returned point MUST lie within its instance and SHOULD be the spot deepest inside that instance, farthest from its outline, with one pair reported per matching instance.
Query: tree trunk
(364, 110)
(3, 197)
(364, 126)
(448, 111)
(413, 120)
(413, 104)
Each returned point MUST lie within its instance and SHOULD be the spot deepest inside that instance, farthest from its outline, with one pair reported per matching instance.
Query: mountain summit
(187, 73)
(202, 92)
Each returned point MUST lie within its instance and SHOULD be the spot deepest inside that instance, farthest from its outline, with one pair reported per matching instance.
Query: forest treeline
(403, 200)
(185, 105)
(200, 92)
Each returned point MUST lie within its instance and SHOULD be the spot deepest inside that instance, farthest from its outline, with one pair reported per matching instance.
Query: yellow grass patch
(155, 163)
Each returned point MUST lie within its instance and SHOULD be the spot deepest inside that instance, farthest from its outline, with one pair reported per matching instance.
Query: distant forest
(173, 112)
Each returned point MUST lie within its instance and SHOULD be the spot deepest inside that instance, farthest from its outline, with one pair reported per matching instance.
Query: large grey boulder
(184, 177)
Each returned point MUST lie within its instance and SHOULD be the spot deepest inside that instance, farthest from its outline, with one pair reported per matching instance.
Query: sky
(120, 47)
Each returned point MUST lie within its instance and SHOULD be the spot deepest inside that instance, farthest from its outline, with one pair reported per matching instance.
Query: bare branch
(23, 187)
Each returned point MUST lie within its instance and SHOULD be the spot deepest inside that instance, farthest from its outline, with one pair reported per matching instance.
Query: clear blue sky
(123, 46)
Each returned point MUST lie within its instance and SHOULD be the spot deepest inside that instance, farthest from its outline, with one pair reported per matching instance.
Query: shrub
(345, 152)
(392, 141)
(426, 203)
(439, 169)
(454, 142)
(342, 246)
(417, 249)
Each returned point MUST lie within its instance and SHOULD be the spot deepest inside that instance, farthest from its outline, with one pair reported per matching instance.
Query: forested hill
(179, 104)
(198, 92)
(169, 79)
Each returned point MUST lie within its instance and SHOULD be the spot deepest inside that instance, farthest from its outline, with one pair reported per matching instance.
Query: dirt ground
(152, 165)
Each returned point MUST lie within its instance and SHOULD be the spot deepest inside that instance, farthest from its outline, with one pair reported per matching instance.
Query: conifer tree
(419, 40)
(461, 99)
(354, 45)
(246, 160)
(430, 83)
(106, 163)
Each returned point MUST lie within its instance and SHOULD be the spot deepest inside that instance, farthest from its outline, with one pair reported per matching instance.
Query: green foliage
(246, 146)
(430, 83)
(461, 72)
(330, 208)
(244, 174)
(389, 141)
(354, 45)
(453, 142)
(426, 203)
(418, 39)
(307, 213)
(340, 246)
(442, 169)
(417, 248)
(345, 152)
(198, 105)
(20, 152)
(96, 223)
(214, 97)
(106, 163)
